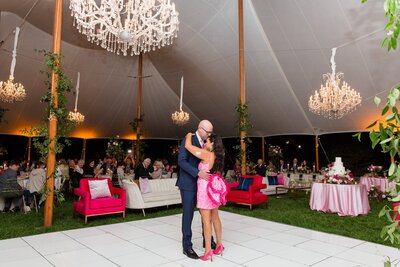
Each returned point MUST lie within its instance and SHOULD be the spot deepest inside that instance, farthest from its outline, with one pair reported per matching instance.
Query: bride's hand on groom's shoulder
(189, 135)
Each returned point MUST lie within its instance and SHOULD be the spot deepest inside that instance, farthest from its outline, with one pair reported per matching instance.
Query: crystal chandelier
(10, 91)
(180, 117)
(75, 116)
(336, 98)
(122, 25)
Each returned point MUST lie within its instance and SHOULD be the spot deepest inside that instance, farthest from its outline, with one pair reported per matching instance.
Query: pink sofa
(101, 206)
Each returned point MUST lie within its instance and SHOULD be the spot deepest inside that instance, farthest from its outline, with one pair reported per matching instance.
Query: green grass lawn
(293, 211)
(297, 212)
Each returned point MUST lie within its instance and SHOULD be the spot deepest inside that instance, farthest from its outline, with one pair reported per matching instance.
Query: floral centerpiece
(376, 192)
(374, 171)
(114, 149)
(303, 169)
(274, 154)
(329, 178)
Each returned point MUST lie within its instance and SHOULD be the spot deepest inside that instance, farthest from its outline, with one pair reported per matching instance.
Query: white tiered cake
(338, 168)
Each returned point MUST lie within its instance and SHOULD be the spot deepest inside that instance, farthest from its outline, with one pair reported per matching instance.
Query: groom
(187, 183)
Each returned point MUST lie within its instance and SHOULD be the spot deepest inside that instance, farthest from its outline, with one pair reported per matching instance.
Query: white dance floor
(157, 242)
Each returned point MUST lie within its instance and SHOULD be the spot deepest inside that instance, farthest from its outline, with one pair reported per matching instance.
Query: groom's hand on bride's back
(204, 175)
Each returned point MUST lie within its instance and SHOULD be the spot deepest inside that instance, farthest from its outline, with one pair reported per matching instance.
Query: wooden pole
(29, 148)
(316, 154)
(52, 125)
(241, 78)
(83, 156)
(139, 105)
(263, 148)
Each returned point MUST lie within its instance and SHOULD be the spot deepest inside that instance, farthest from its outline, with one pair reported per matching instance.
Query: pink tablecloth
(382, 183)
(345, 200)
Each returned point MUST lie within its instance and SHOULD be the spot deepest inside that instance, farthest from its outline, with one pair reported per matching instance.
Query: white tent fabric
(287, 49)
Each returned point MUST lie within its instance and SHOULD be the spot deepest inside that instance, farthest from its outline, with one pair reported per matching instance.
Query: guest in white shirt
(37, 180)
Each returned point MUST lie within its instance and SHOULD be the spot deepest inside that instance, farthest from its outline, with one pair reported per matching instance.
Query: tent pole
(29, 148)
(242, 91)
(316, 154)
(52, 125)
(263, 148)
(139, 106)
(83, 155)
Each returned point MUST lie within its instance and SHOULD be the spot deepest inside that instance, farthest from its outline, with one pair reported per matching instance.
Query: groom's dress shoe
(190, 253)
(213, 244)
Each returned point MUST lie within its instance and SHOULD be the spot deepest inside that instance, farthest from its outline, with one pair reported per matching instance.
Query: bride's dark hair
(219, 151)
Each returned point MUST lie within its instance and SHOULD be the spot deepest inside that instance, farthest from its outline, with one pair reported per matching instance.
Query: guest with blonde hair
(158, 170)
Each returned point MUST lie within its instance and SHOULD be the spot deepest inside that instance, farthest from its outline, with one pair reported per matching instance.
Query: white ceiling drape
(287, 49)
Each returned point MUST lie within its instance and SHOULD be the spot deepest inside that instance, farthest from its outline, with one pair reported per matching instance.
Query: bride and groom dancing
(201, 160)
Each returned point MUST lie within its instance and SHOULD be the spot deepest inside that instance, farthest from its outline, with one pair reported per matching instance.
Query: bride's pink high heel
(218, 250)
(207, 256)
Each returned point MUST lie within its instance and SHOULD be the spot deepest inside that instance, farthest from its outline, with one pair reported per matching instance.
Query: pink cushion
(105, 202)
(281, 180)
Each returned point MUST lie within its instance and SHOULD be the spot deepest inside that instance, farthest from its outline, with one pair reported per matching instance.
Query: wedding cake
(338, 168)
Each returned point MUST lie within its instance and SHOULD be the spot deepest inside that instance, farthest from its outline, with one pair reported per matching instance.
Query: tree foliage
(385, 132)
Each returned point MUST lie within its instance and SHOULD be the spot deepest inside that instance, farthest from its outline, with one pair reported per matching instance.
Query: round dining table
(380, 182)
(343, 199)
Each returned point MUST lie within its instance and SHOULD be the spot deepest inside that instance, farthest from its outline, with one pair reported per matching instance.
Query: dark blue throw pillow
(273, 180)
(244, 183)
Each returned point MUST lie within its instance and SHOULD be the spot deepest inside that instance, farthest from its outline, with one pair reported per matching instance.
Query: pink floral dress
(212, 193)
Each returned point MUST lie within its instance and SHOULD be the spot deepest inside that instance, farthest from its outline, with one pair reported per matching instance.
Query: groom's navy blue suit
(187, 183)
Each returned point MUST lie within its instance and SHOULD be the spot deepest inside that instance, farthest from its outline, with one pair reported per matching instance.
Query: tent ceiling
(287, 49)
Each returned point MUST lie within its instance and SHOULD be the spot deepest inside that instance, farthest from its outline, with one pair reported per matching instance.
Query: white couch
(270, 190)
(163, 193)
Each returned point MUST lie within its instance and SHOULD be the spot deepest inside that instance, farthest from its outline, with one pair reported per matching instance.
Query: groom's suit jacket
(188, 164)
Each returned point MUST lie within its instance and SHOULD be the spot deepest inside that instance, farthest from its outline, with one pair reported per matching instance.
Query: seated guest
(158, 168)
(32, 166)
(282, 166)
(129, 164)
(77, 173)
(295, 166)
(304, 166)
(98, 170)
(237, 169)
(89, 169)
(22, 166)
(250, 167)
(121, 169)
(107, 166)
(9, 187)
(37, 180)
(260, 168)
(63, 167)
(271, 167)
(62, 172)
(144, 169)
